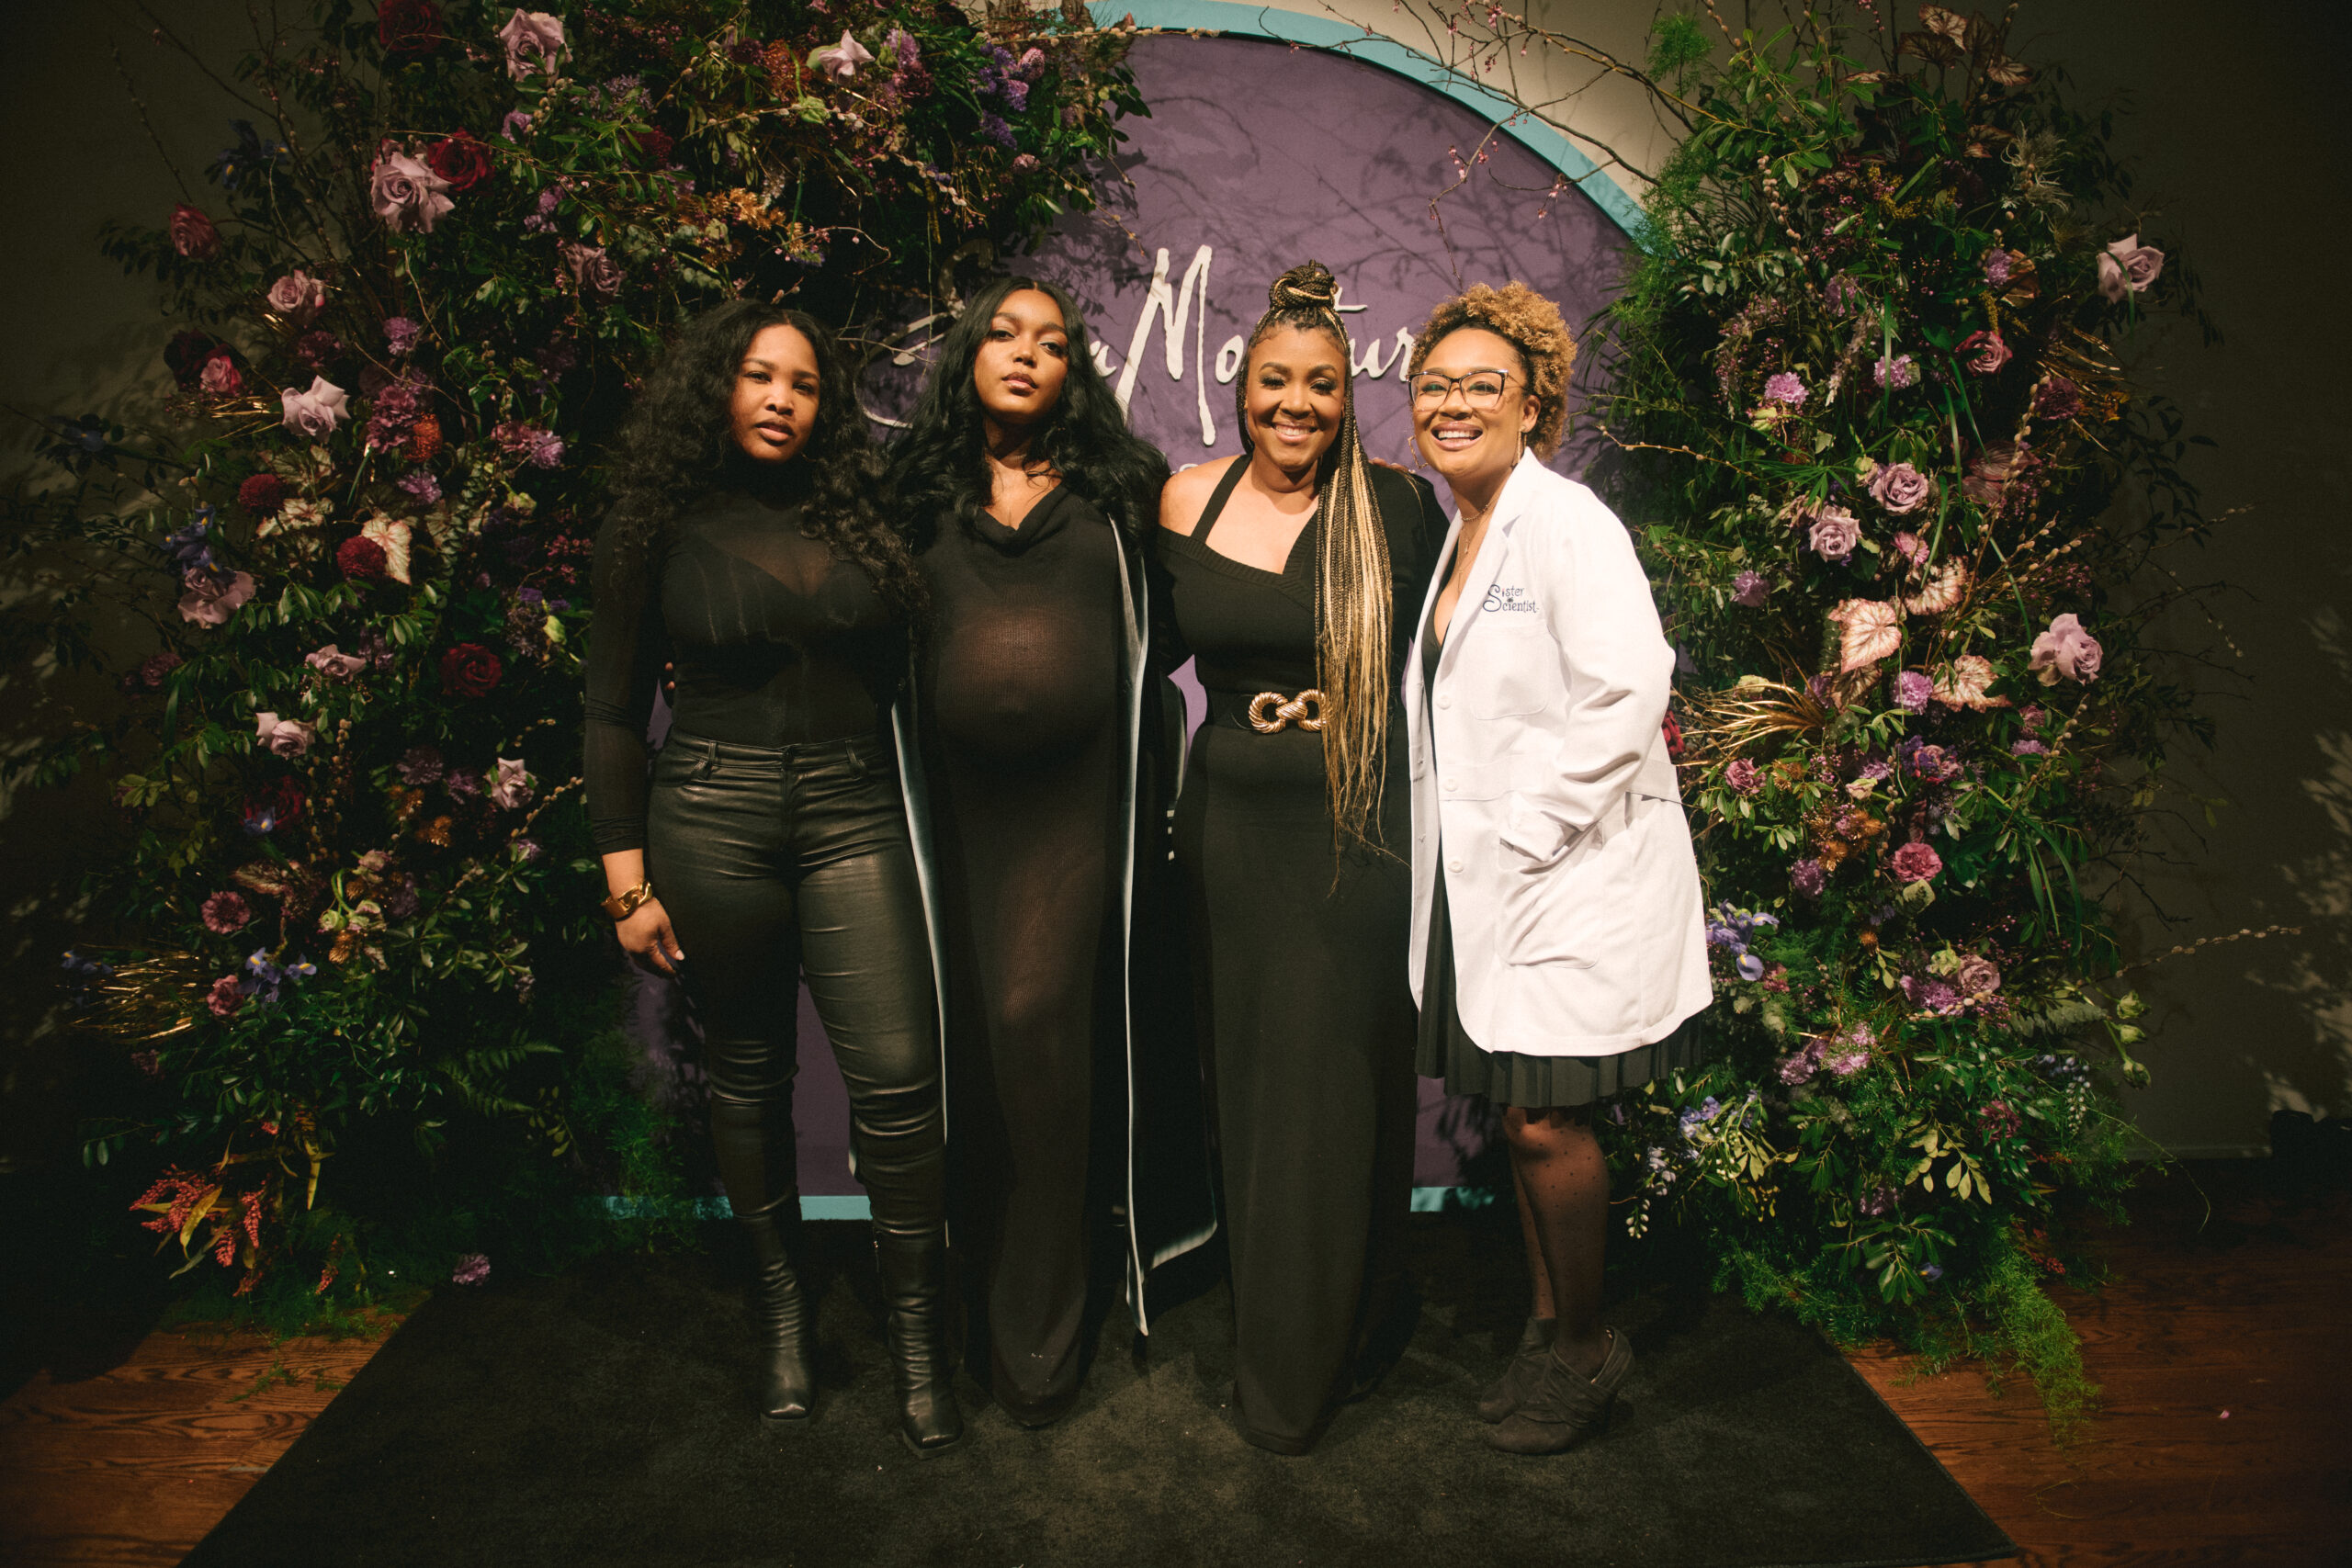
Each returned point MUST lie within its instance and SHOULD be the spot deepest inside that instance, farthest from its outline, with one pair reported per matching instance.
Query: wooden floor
(2226, 1435)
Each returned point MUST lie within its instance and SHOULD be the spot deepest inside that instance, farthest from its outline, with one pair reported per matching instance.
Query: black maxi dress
(1024, 726)
(1311, 1019)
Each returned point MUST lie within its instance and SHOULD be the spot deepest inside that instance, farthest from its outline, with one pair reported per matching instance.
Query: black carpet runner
(602, 1417)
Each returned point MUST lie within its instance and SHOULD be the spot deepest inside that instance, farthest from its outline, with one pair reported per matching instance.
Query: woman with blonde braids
(1290, 575)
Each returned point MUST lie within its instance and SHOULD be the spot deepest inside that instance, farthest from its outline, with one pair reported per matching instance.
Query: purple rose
(1743, 777)
(1898, 372)
(335, 664)
(2066, 649)
(317, 410)
(1807, 878)
(212, 598)
(512, 788)
(1834, 534)
(1749, 588)
(1982, 353)
(406, 194)
(1912, 690)
(284, 736)
(596, 275)
(220, 377)
(1901, 489)
(298, 297)
(533, 41)
(2128, 267)
(1785, 388)
(1915, 862)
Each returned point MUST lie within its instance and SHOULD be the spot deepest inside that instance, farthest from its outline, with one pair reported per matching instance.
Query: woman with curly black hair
(743, 544)
(1290, 573)
(1041, 730)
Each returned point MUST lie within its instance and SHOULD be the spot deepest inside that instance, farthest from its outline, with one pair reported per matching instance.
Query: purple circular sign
(1259, 155)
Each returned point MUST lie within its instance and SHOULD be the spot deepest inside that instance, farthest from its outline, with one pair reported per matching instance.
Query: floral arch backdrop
(1872, 424)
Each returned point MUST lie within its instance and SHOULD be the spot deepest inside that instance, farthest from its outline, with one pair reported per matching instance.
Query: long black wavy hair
(677, 446)
(940, 469)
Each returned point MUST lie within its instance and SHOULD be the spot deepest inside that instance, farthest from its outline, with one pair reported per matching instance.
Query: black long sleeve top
(776, 641)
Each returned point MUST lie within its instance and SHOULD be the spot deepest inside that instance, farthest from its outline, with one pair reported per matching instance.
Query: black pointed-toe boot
(914, 1287)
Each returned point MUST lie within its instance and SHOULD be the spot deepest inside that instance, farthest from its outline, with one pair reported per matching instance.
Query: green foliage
(1899, 502)
(349, 927)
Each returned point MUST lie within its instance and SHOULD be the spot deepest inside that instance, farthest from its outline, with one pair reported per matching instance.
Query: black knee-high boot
(914, 1284)
(757, 1153)
(780, 1317)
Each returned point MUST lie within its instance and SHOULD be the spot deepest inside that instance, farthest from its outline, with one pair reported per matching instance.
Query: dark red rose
(469, 669)
(409, 30)
(461, 159)
(362, 560)
(186, 355)
(261, 496)
(653, 144)
(193, 235)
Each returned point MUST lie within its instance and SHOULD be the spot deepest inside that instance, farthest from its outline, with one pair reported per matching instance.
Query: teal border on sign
(1376, 49)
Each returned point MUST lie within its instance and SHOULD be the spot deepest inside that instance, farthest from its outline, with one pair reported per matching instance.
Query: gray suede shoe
(1565, 1405)
(1526, 1366)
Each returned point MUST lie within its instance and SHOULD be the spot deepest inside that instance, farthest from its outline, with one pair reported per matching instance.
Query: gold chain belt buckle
(1270, 713)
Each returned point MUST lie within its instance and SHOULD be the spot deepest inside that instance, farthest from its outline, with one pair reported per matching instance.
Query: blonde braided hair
(1352, 612)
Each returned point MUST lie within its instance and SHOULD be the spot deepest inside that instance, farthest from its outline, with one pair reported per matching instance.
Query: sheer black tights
(1563, 1183)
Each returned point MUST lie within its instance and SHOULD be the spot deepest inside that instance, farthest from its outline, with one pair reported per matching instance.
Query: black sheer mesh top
(776, 641)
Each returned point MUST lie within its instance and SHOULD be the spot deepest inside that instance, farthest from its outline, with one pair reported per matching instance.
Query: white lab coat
(1541, 780)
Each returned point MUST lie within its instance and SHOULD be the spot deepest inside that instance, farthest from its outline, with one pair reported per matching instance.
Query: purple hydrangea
(1808, 877)
(1912, 691)
(2029, 747)
(399, 335)
(1898, 372)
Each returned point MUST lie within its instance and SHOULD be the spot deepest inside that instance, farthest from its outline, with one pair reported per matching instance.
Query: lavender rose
(1915, 862)
(298, 297)
(2128, 267)
(1749, 588)
(596, 275)
(335, 664)
(533, 41)
(513, 786)
(284, 736)
(1978, 977)
(1902, 489)
(1743, 777)
(212, 598)
(1834, 534)
(2066, 649)
(316, 409)
(406, 194)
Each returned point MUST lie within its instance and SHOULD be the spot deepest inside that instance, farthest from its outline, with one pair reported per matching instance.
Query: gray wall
(2230, 111)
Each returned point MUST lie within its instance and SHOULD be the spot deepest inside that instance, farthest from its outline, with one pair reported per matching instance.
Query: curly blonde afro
(1530, 323)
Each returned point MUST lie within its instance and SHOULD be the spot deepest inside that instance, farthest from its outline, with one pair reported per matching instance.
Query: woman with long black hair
(1292, 572)
(745, 544)
(1042, 739)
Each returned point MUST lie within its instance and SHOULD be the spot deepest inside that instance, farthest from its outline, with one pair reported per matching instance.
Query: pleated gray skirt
(1506, 1077)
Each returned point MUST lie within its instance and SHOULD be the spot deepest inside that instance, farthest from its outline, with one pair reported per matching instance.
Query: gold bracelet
(625, 903)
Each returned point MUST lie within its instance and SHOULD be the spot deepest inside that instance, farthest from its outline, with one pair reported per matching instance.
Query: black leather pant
(773, 862)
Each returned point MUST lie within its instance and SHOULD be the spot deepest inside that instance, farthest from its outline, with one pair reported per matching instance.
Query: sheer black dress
(1026, 737)
(1300, 956)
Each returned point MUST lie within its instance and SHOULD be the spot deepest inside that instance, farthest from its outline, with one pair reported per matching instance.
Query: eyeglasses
(1480, 388)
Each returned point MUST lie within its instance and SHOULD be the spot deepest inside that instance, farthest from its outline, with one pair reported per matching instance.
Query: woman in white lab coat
(1558, 950)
